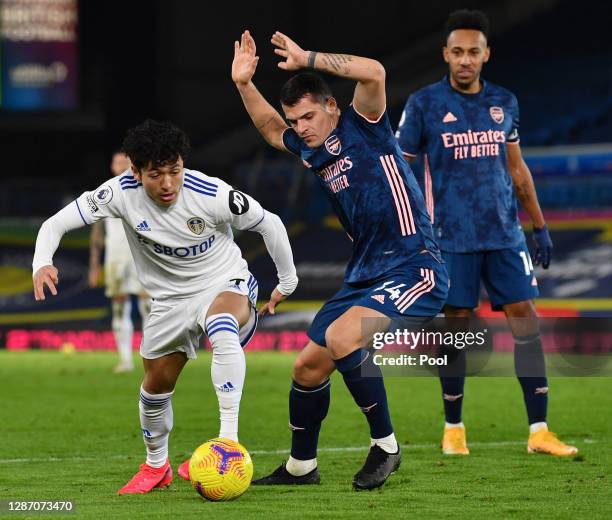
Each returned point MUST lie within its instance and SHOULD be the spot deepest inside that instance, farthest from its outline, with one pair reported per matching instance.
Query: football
(220, 470)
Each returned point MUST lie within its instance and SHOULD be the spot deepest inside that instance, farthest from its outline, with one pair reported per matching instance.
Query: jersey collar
(446, 81)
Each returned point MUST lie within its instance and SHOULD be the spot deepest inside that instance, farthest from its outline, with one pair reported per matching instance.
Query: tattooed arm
(369, 98)
(523, 184)
(526, 194)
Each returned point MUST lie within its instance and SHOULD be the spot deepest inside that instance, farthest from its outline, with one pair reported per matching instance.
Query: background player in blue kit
(395, 268)
(467, 130)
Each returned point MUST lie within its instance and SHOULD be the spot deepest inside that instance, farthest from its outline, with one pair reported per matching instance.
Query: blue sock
(531, 372)
(368, 392)
(452, 397)
(308, 407)
(452, 380)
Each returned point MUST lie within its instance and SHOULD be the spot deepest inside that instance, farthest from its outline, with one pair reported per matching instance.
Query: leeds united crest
(196, 225)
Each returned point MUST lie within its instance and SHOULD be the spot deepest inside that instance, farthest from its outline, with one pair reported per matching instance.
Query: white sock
(388, 443)
(454, 425)
(297, 468)
(156, 419)
(227, 370)
(123, 329)
(144, 308)
(537, 426)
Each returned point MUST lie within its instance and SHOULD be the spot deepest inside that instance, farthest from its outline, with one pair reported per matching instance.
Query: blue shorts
(507, 274)
(417, 290)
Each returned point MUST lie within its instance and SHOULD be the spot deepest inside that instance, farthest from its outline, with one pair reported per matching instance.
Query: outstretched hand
(245, 60)
(275, 298)
(295, 57)
(544, 246)
(46, 275)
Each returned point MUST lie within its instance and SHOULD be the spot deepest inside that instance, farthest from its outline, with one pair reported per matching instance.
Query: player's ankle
(388, 443)
(454, 425)
(537, 426)
(156, 461)
(298, 468)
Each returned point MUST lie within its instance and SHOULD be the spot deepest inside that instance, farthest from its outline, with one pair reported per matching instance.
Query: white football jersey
(182, 249)
(116, 248)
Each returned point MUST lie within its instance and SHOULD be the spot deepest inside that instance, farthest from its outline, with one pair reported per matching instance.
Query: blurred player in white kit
(120, 277)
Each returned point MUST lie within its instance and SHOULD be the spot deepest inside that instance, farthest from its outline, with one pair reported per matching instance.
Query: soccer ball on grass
(220, 469)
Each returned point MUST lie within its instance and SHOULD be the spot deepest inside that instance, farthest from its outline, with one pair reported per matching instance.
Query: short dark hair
(156, 143)
(467, 19)
(303, 84)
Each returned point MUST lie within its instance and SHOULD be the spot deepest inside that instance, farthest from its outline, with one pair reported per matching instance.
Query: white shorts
(177, 324)
(120, 278)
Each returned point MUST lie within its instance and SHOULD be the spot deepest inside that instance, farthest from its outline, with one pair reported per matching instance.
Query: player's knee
(158, 379)
(456, 312)
(116, 325)
(161, 374)
(117, 318)
(158, 383)
(119, 326)
(307, 373)
(231, 303)
(524, 309)
(117, 307)
(301, 372)
(341, 341)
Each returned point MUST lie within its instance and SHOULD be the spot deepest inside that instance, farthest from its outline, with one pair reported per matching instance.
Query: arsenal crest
(333, 145)
(196, 225)
(497, 114)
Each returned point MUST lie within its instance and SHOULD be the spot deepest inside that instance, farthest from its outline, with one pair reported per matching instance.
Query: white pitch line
(339, 449)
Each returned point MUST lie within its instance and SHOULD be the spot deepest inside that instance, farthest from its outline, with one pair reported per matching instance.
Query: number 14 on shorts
(394, 292)
(527, 264)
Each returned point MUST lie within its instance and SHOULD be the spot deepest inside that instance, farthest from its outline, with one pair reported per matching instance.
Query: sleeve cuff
(287, 288)
(371, 121)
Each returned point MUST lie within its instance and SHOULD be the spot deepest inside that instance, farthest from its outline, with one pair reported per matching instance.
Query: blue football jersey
(372, 191)
(467, 187)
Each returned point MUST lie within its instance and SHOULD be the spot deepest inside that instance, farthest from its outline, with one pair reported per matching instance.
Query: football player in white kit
(178, 225)
(120, 275)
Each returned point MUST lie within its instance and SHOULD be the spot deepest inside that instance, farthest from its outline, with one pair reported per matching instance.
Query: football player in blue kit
(466, 129)
(395, 270)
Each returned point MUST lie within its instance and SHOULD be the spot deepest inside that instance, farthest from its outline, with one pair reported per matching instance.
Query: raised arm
(47, 241)
(527, 196)
(369, 98)
(266, 119)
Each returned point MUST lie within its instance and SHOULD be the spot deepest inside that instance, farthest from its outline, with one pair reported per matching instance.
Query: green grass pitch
(69, 430)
